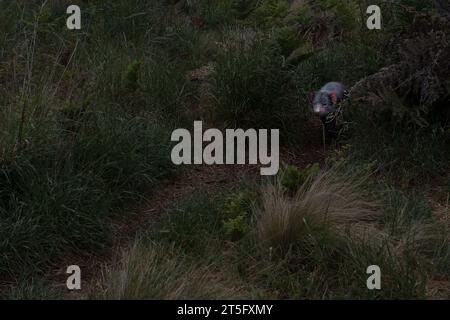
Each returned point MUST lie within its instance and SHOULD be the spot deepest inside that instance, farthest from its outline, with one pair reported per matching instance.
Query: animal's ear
(311, 96)
(333, 97)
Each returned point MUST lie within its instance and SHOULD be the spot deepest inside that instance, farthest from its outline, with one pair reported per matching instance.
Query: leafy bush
(236, 227)
(413, 89)
(292, 178)
(239, 203)
(237, 211)
(287, 39)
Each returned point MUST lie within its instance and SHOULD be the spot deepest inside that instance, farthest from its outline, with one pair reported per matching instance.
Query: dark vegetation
(85, 124)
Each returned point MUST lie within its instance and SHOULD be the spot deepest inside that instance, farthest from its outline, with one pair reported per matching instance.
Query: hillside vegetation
(85, 123)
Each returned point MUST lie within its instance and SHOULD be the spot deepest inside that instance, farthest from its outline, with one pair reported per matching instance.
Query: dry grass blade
(152, 271)
(327, 202)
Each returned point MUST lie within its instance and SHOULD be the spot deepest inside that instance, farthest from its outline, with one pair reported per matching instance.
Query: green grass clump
(322, 244)
(194, 223)
(270, 13)
(247, 84)
(345, 14)
(293, 178)
(75, 146)
(285, 223)
(57, 198)
(131, 76)
(33, 290)
(287, 39)
(315, 244)
(408, 156)
(152, 271)
(236, 227)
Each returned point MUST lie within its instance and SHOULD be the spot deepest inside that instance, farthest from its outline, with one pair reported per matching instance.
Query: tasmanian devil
(325, 102)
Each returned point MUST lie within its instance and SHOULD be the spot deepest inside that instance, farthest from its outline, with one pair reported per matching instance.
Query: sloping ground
(146, 214)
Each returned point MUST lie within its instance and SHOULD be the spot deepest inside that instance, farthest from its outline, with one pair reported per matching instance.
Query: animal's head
(322, 102)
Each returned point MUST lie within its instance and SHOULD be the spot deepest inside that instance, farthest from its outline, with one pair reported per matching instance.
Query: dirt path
(189, 180)
(147, 213)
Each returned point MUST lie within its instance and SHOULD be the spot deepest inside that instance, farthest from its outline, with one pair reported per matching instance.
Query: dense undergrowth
(85, 123)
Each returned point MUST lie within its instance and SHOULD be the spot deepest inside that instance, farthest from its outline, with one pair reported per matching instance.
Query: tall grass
(247, 86)
(77, 142)
(57, 197)
(327, 202)
(85, 118)
(316, 243)
(409, 155)
(332, 229)
(154, 271)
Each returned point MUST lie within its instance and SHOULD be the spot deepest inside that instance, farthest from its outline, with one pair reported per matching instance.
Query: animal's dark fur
(325, 102)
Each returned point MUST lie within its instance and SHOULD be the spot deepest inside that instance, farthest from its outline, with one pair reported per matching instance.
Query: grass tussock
(327, 201)
(152, 271)
(314, 243)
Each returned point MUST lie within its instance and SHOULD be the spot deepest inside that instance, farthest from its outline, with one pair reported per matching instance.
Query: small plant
(242, 8)
(287, 39)
(237, 211)
(131, 76)
(304, 15)
(292, 177)
(236, 228)
(271, 13)
(304, 51)
(239, 203)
